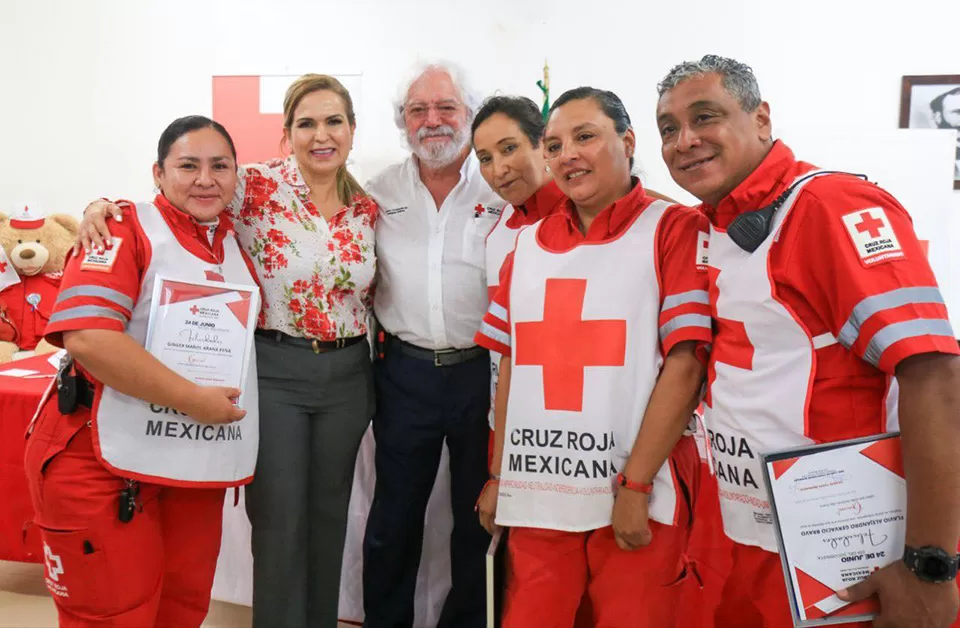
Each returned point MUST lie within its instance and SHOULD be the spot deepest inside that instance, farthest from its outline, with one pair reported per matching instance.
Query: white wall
(88, 85)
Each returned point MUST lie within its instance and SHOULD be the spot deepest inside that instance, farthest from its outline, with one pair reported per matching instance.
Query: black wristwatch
(931, 564)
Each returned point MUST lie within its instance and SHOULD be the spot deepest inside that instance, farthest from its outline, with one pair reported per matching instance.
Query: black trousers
(418, 406)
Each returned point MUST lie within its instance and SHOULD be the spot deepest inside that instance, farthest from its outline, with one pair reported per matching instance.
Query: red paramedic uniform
(500, 242)
(638, 262)
(839, 297)
(157, 569)
(710, 551)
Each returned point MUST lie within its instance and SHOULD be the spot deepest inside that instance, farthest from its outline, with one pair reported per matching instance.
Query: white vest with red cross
(585, 358)
(143, 441)
(500, 243)
(762, 367)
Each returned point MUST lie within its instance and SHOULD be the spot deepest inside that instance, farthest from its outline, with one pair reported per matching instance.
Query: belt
(440, 357)
(318, 346)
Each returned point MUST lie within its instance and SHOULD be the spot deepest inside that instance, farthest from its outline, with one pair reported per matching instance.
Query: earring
(546, 168)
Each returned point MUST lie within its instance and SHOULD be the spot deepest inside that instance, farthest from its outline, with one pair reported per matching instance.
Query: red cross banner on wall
(251, 109)
(236, 105)
(565, 344)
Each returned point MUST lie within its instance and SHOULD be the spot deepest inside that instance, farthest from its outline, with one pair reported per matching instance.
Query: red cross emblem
(564, 344)
(731, 345)
(869, 224)
(194, 309)
(3, 267)
(478, 210)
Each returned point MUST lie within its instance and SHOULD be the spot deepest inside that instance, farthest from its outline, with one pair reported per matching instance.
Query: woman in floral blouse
(308, 226)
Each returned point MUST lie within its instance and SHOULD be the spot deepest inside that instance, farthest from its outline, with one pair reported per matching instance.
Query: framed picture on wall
(932, 102)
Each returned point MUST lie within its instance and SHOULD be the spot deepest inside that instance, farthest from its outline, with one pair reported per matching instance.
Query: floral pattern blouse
(317, 275)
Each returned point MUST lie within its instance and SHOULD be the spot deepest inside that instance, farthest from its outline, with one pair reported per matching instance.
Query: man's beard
(440, 154)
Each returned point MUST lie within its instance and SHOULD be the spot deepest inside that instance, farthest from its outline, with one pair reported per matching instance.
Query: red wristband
(476, 506)
(633, 486)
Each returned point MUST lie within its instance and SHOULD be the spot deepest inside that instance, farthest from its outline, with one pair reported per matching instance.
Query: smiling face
(709, 143)
(199, 174)
(509, 163)
(589, 159)
(436, 118)
(321, 135)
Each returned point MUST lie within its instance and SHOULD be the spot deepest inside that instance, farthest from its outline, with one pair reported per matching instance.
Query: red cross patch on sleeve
(872, 236)
(703, 250)
(102, 262)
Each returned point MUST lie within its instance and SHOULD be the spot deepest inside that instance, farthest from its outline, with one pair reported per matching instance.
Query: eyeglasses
(446, 109)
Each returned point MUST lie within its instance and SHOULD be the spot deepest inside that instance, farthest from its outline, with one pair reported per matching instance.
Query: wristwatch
(931, 564)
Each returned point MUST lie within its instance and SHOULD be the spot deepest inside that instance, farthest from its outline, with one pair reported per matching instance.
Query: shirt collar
(760, 185)
(290, 171)
(611, 219)
(543, 201)
(185, 223)
(467, 170)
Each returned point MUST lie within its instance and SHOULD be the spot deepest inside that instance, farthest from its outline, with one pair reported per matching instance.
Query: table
(19, 397)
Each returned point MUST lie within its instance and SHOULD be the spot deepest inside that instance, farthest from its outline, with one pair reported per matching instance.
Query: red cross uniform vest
(143, 441)
(757, 401)
(500, 243)
(585, 358)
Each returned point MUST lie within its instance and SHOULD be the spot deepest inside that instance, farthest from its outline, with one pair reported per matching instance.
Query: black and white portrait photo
(933, 102)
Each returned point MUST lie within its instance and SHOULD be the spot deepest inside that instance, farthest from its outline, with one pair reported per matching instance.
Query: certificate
(496, 555)
(839, 513)
(203, 330)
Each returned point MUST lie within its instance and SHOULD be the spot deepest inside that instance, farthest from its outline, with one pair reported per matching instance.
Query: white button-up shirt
(431, 287)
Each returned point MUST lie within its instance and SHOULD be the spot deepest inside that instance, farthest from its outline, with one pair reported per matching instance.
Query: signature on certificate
(861, 538)
(854, 508)
(200, 336)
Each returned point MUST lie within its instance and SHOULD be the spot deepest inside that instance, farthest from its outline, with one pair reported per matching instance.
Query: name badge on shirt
(102, 262)
(488, 210)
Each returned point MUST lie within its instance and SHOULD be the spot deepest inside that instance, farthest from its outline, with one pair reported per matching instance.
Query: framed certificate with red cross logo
(839, 514)
(203, 330)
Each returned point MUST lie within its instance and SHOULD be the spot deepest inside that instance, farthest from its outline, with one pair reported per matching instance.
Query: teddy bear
(34, 251)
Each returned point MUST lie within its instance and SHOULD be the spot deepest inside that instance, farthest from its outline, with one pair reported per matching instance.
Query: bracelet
(476, 507)
(495, 477)
(639, 487)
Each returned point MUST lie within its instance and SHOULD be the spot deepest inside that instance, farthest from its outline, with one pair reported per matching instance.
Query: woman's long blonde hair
(347, 187)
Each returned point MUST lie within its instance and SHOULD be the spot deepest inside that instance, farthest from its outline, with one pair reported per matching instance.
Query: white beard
(439, 155)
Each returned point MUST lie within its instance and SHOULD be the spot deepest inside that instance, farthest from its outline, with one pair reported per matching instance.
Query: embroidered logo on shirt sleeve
(873, 236)
(703, 245)
(102, 262)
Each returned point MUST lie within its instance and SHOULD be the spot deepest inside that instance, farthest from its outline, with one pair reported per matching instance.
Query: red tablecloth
(19, 397)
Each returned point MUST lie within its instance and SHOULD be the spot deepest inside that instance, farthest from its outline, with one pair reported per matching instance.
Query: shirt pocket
(475, 240)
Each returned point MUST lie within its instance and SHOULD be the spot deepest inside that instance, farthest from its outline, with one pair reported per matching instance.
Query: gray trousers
(314, 409)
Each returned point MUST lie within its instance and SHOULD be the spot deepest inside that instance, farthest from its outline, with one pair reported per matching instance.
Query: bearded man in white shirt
(433, 382)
